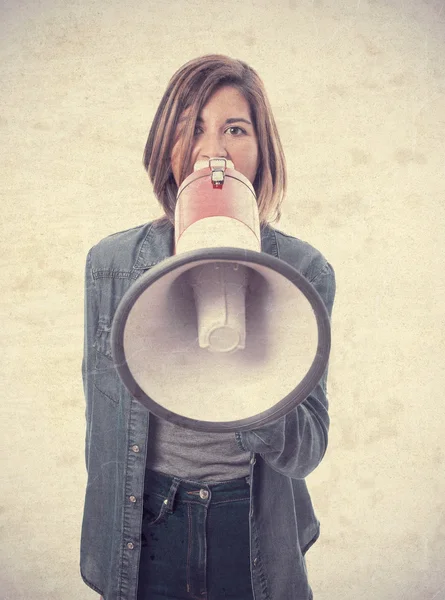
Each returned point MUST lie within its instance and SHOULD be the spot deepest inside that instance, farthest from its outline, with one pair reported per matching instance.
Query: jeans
(195, 540)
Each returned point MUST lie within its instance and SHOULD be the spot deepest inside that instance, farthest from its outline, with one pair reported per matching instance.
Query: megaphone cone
(220, 338)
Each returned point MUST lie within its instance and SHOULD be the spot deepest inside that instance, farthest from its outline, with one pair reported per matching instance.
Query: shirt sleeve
(90, 320)
(295, 444)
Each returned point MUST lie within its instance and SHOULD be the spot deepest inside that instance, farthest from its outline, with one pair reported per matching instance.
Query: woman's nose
(211, 145)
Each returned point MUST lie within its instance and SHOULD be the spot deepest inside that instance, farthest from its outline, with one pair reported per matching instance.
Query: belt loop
(171, 494)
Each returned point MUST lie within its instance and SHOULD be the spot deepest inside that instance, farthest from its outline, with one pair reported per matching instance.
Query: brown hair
(190, 88)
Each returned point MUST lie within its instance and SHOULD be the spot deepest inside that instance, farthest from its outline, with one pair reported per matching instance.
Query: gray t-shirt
(194, 455)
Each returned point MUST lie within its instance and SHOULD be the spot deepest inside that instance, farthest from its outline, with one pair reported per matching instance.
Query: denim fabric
(195, 540)
(282, 522)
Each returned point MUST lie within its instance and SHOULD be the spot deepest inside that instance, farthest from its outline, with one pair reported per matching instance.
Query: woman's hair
(190, 88)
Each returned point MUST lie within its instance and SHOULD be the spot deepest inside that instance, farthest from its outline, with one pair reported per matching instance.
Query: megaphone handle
(219, 291)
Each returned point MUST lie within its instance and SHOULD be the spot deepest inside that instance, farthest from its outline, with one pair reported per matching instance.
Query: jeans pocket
(154, 514)
(155, 509)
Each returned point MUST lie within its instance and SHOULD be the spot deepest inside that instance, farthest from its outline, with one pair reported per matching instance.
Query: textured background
(358, 91)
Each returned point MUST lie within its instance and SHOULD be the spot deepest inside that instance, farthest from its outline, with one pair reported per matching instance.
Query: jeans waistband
(175, 488)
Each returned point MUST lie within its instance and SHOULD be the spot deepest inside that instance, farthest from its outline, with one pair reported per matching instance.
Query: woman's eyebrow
(236, 119)
(228, 121)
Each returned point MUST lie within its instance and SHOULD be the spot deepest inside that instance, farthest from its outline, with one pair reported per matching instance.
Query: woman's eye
(239, 129)
(235, 131)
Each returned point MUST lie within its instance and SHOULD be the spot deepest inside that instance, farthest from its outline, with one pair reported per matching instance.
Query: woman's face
(224, 128)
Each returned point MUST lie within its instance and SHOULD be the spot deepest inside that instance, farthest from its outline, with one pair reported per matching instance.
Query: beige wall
(358, 92)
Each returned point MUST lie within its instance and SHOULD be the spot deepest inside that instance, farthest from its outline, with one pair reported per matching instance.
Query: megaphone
(220, 337)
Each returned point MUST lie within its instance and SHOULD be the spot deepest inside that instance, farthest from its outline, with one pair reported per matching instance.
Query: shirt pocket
(106, 377)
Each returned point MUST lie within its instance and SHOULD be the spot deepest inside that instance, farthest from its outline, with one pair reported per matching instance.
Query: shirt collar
(158, 243)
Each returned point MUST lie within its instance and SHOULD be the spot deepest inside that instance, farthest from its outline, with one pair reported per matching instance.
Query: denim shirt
(283, 524)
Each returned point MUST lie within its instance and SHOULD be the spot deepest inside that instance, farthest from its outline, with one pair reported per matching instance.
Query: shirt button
(204, 494)
(130, 545)
(252, 460)
(255, 562)
(132, 499)
(135, 448)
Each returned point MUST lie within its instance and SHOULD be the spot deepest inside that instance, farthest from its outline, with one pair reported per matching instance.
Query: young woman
(172, 513)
